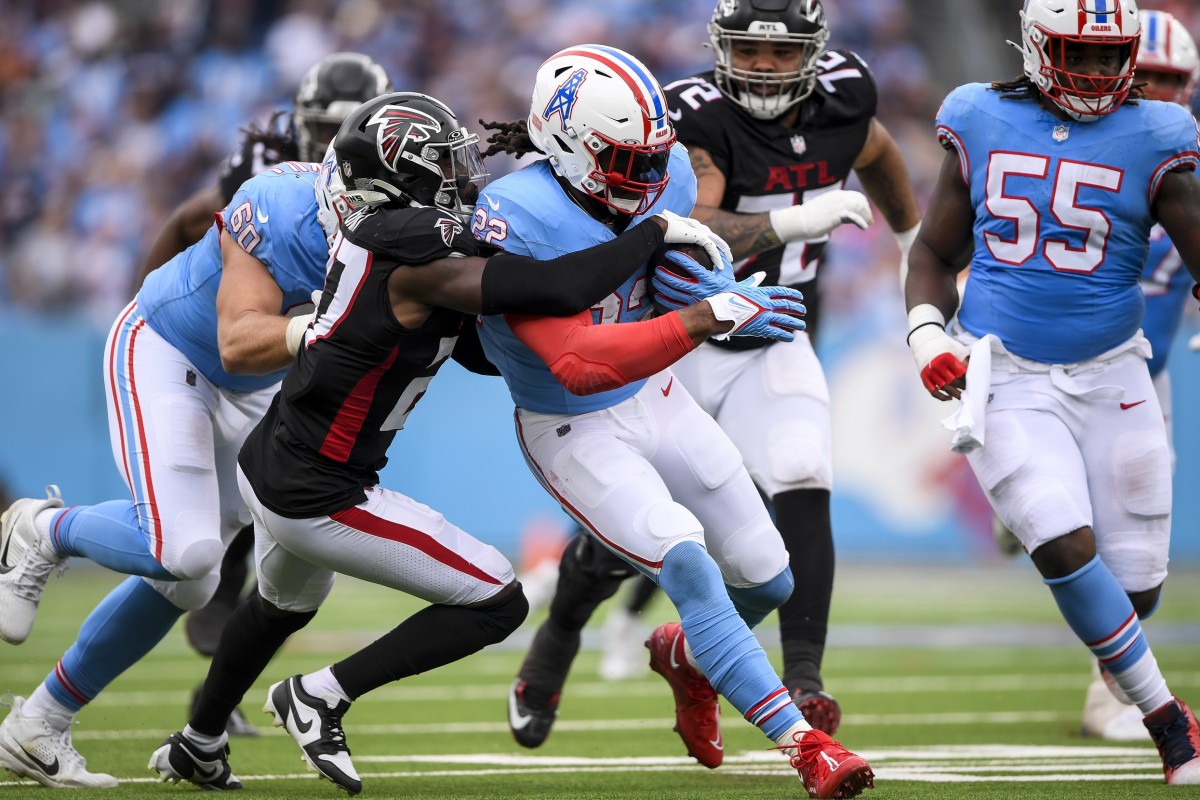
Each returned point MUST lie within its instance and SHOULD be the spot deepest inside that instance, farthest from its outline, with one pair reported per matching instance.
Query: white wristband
(925, 314)
(294, 335)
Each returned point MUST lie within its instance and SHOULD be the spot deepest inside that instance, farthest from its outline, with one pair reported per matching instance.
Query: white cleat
(316, 725)
(622, 652)
(1106, 717)
(31, 748)
(26, 560)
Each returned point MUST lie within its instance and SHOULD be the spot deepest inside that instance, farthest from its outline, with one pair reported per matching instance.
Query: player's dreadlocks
(1021, 88)
(274, 137)
(511, 137)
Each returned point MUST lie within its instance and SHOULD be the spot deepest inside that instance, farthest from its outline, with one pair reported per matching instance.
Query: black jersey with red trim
(359, 372)
(247, 161)
(768, 165)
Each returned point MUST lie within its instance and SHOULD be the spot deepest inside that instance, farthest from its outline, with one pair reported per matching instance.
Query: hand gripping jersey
(528, 213)
(360, 372)
(1167, 287)
(769, 166)
(1062, 217)
(273, 216)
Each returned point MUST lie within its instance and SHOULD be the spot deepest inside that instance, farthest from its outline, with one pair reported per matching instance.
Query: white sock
(691, 659)
(1144, 684)
(203, 740)
(41, 522)
(324, 684)
(788, 740)
(42, 704)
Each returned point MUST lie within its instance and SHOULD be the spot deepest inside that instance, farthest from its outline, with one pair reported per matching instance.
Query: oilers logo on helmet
(563, 101)
(398, 126)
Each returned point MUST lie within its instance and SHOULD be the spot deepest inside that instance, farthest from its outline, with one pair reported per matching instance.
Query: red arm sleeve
(589, 358)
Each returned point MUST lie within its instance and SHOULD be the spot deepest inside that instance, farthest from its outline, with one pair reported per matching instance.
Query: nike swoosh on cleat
(515, 720)
(675, 641)
(48, 769)
(4, 565)
(297, 720)
(1127, 406)
(717, 743)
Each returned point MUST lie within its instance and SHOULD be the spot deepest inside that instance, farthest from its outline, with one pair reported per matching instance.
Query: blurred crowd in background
(113, 111)
(116, 110)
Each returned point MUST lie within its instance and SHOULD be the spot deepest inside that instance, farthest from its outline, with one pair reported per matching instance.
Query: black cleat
(180, 760)
(530, 719)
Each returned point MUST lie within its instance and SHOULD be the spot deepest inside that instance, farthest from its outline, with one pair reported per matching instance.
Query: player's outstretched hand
(820, 215)
(691, 283)
(771, 312)
(685, 230)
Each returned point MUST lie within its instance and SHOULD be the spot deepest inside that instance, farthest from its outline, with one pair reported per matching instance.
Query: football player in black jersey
(404, 282)
(330, 90)
(775, 127)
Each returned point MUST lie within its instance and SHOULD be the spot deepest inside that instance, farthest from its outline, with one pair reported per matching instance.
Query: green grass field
(955, 682)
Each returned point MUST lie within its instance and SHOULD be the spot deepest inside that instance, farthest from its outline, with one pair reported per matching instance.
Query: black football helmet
(767, 95)
(330, 90)
(407, 148)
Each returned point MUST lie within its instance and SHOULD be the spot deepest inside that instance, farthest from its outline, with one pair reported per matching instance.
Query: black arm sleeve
(468, 351)
(568, 284)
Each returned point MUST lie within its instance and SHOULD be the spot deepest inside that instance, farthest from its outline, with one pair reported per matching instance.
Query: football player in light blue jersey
(1049, 189)
(615, 439)
(190, 366)
(1168, 63)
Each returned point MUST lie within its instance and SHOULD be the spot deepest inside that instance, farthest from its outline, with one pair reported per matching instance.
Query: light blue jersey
(274, 218)
(1062, 217)
(1167, 286)
(529, 214)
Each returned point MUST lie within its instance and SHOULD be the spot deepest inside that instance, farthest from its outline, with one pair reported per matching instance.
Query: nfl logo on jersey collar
(798, 145)
(1061, 132)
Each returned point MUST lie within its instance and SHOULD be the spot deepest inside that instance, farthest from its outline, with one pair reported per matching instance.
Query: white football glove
(817, 217)
(1194, 343)
(941, 358)
(685, 230)
(293, 335)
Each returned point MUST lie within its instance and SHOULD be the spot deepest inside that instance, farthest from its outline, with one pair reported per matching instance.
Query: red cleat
(829, 770)
(819, 709)
(697, 713)
(1177, 735)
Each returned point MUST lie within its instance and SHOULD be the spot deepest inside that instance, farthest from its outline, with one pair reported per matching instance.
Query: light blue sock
(120, 630)
(108, 534)
(723, 645)
(1101, 614)
(755, 602)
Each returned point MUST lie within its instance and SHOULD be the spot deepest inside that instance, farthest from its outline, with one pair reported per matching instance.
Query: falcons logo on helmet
(397, 127)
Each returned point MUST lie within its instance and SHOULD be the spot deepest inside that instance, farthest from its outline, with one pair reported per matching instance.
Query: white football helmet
(1168, 47)
(1048, 26)
(601, 117)
(767, 95)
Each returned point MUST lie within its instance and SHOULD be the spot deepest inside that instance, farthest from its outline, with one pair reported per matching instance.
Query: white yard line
(949, 764)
